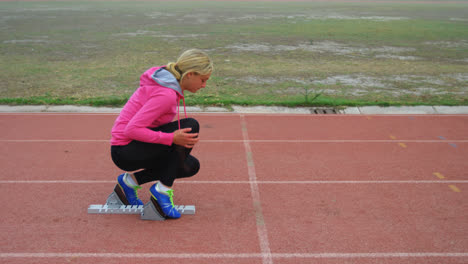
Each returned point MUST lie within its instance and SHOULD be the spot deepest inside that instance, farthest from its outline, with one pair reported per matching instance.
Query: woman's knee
(192, 123)
(192, 166)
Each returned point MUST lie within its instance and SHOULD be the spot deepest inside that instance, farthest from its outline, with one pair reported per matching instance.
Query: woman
(143, 136)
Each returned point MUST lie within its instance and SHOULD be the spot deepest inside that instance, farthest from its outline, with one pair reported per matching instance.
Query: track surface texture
(273, 188)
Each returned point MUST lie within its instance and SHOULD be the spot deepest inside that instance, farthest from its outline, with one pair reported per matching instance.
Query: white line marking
(241, 182)
(261, 227)
(54, 140)
(116, 113)
(368, 255)
(130, 255)
(236, 255)
(57, 181)
(326, 182)
(57, 114)
(333, 141)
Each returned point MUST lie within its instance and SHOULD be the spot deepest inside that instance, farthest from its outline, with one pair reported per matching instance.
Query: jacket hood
(164, 78)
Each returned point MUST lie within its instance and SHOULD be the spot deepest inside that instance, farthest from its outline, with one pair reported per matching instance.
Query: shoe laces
(135, 190)
(171, 196)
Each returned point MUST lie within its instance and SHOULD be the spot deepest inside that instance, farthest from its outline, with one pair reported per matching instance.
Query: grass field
(270, 53)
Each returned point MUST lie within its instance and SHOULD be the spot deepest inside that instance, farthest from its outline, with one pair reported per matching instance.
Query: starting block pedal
(149, 211)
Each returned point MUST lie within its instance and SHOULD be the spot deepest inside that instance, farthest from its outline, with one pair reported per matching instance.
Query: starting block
(150, 211)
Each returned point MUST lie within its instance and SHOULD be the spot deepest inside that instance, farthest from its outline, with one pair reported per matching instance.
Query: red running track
(272, 189)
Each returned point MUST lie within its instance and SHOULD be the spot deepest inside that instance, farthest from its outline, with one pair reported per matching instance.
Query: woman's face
(193, 82)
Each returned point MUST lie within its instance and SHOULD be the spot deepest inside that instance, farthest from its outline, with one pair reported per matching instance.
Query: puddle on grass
(335, 16)
(352, 80)
(458, 19)
(138, 33)
(205, 18)
(459, 77)
(22, 41)
(395, 57)
(360, 80)
(448, 44)
(9, 17)
(36, 39)
(158, 15)
(157, 34)
(47, 8)
(329, 47)
(358, 84)
(346, 17)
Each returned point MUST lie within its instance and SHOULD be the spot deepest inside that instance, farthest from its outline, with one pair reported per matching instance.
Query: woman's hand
(185, 139)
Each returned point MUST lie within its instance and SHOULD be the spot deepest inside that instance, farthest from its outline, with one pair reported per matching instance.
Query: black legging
(159, 162)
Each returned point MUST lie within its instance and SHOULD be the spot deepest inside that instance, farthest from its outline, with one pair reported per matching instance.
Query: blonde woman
(145, 137)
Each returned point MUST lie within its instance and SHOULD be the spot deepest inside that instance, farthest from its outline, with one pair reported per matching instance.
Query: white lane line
(116, 113)
(369, 255)
(238, 255)
(331, 141)
(59, 113)
(349, 141)
(261, 227)
(131, 255)
(241, 182)
(54, 140)
(56, 181)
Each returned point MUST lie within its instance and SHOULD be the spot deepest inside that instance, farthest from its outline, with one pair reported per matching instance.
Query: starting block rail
(149, 211)
(133, 209)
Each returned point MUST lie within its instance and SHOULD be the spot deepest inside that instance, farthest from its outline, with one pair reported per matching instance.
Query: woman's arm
(156, 106)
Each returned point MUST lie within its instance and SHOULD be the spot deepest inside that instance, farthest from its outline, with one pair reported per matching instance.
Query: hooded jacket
(153, 104)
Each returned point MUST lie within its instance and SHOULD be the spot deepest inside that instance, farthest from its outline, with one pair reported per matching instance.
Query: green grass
(93, 52)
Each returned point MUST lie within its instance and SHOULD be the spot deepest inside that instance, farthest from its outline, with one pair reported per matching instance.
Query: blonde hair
(192, 60)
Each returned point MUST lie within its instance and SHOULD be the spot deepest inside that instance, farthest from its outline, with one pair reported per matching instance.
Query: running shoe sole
(121, 194)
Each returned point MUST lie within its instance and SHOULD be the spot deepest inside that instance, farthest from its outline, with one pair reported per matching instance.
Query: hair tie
(178, 70)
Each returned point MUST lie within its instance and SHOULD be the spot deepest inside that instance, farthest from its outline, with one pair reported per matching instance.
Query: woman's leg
(160, 162)
(178, 163)
(191, 167)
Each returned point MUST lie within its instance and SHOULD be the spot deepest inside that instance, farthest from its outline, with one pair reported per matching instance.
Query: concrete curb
(366, 110)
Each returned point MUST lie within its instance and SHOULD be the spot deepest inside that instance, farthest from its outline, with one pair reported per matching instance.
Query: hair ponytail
(193, 60)
(172, 68)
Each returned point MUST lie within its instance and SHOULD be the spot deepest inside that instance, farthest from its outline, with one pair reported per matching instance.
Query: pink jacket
(153, 104)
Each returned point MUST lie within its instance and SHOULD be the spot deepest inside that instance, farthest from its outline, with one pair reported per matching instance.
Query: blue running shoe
(165, 202)
(128, 192)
